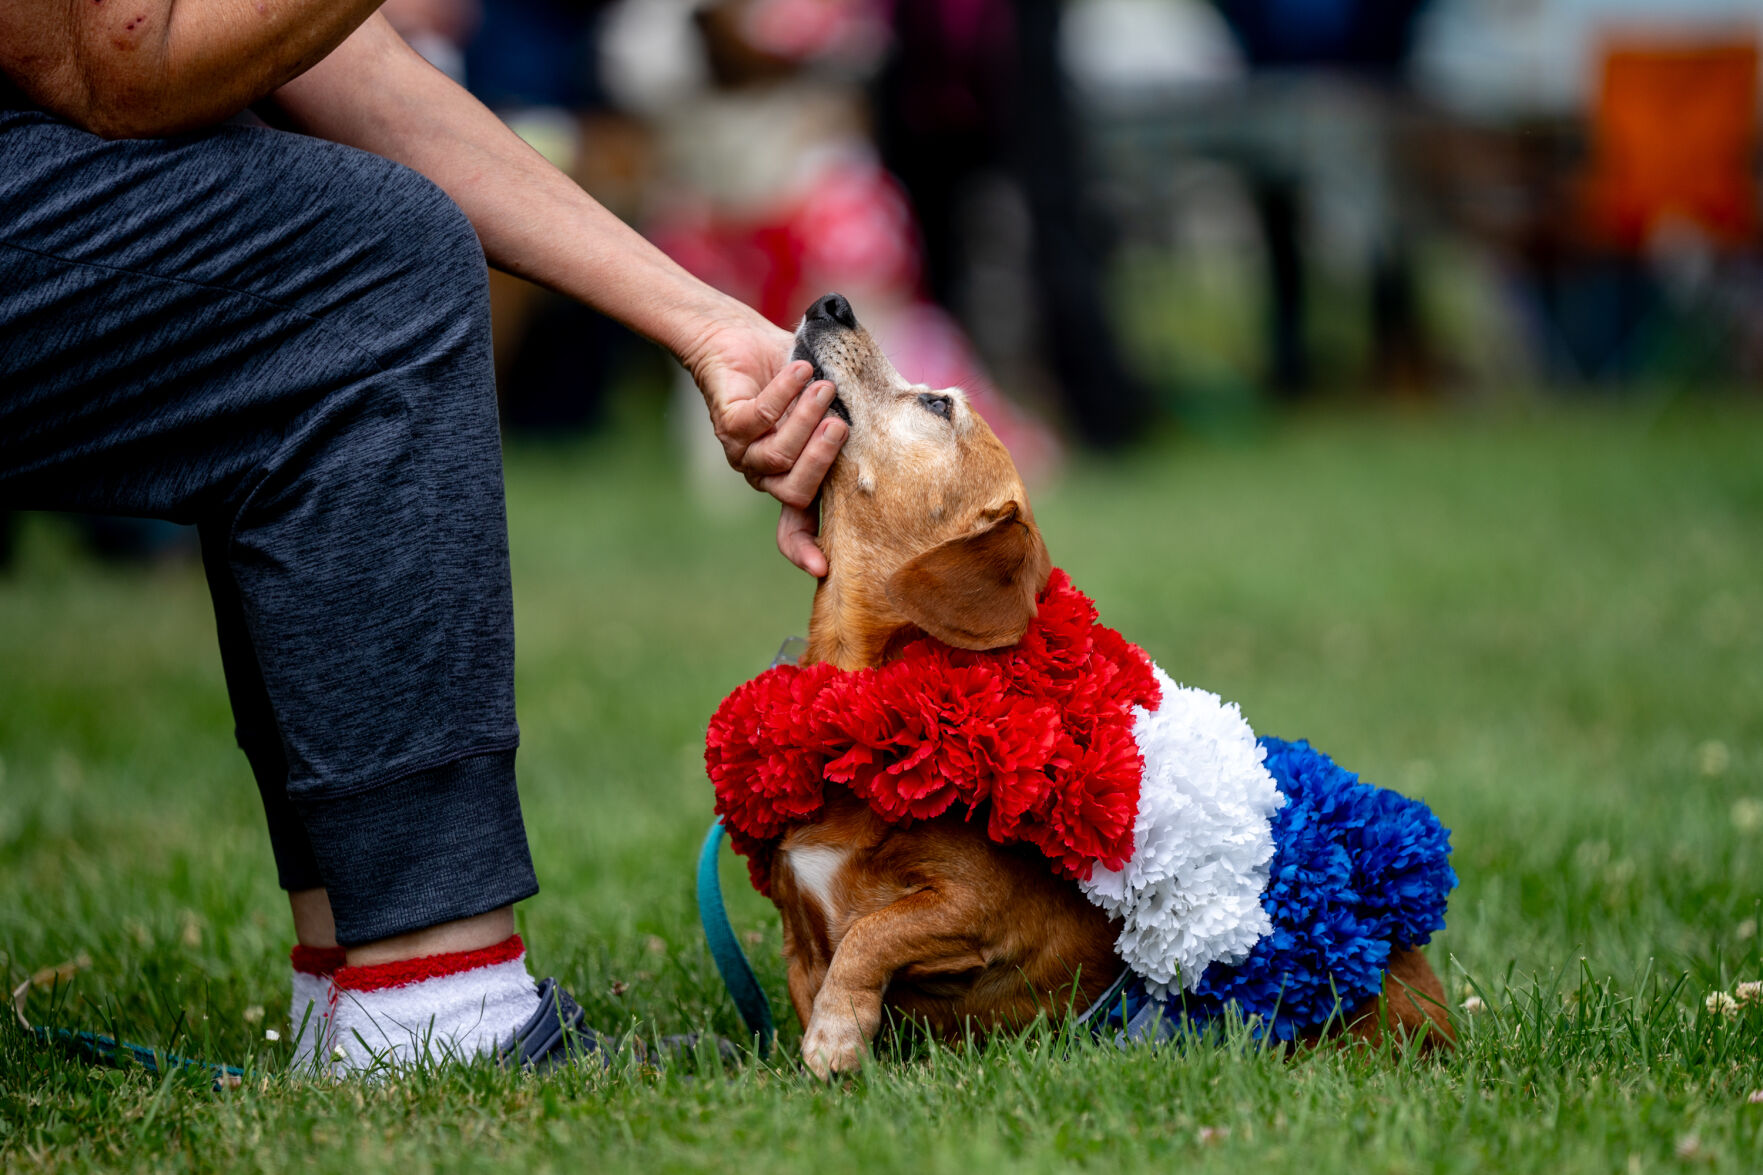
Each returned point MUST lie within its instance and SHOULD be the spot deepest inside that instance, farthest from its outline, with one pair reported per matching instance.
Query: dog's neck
(853, 626)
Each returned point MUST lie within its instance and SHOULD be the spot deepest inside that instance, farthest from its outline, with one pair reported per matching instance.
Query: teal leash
(725, 948)
(107, 1050)
(1106, 1003)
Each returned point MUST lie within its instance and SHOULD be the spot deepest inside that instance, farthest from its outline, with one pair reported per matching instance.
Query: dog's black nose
(835, 307)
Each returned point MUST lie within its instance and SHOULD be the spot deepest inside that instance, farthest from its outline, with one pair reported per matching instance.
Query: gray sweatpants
(286, 342)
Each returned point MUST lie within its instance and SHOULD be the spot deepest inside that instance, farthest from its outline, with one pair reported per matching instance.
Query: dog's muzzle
(830, 312)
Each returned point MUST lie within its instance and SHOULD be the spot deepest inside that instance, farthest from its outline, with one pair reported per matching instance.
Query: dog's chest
(814, 868)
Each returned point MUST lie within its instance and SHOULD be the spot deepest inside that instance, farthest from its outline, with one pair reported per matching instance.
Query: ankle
(479, 932)
(313, 924)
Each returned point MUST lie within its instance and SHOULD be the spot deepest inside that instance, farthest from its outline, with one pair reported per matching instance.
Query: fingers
(796, 529)
(780, 450)
(801, 482)
(746, 420)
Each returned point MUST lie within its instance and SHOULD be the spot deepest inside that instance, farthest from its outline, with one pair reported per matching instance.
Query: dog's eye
(941, 405)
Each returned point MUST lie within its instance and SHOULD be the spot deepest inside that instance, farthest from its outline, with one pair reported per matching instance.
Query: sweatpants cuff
(295, 868)
(427, 848)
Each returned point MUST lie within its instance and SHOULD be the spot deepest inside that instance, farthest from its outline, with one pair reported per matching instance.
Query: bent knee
(405, 276)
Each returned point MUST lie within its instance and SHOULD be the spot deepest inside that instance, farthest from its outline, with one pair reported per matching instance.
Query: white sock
(310, 1013)
(433, 1009)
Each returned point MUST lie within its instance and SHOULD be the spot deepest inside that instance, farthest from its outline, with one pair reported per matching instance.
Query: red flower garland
(1041, 732)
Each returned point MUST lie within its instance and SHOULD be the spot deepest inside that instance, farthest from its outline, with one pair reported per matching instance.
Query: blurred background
(1111, 216)
(1114, 218)
(1391, 367)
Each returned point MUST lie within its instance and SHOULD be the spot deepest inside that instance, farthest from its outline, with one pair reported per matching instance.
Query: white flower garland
(1191, 895)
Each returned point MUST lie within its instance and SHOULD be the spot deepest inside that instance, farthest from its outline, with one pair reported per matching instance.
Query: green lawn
(1549, 625)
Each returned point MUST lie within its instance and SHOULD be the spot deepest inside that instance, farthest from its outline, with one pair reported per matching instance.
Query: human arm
(375, 93)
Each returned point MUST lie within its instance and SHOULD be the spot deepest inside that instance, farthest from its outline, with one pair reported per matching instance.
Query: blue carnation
(1357, 871)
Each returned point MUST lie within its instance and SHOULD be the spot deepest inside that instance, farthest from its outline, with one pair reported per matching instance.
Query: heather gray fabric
(286, 342)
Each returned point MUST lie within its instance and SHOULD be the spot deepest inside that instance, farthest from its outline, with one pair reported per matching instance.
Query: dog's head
(924, 519)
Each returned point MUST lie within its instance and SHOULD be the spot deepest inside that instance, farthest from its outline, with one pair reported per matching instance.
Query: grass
(1549, 625)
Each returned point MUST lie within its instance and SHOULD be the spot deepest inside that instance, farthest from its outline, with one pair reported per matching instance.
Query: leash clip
(790, 652)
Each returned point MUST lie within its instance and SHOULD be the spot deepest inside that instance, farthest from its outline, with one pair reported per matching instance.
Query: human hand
(770, 417)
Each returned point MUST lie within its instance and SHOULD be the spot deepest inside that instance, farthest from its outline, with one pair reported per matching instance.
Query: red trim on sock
(319, 961)
(407, 971)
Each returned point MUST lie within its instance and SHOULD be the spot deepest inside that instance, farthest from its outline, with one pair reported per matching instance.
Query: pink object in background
(851, 229)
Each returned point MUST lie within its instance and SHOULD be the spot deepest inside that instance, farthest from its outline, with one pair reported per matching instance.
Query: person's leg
(255, 730)
(286, 341)
(316, 956)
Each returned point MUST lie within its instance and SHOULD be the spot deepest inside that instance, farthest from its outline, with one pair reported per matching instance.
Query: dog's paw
(832, 1046)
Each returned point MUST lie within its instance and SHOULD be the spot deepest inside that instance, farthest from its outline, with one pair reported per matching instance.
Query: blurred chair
(1674, 141)
(1657, 269)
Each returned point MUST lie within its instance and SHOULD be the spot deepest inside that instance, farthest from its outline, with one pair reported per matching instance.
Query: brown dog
(927, 529)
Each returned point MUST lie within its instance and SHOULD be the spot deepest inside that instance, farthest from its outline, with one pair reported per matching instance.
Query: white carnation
(1191, 895)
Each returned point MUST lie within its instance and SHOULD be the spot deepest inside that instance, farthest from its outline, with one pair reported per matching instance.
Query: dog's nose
(835, 307)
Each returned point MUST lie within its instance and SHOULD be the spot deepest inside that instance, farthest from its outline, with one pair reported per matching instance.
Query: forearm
(154, 67)
(375, 93)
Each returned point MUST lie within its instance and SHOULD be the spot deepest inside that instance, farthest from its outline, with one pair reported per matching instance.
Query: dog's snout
(836, 308)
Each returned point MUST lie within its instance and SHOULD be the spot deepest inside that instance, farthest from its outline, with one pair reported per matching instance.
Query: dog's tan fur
(927, 528)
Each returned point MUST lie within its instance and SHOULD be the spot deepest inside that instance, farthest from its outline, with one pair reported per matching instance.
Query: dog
(928, 531)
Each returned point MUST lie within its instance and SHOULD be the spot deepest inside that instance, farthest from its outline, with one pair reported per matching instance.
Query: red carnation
(761, 755)
(1101, 803)
(1138, 685)
(1041, 734)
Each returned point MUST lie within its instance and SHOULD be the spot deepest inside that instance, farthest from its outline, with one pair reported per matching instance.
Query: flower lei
(1357, 872)
(1041, 733)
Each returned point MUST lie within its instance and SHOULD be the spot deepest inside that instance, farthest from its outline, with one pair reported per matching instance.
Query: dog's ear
(977, 591)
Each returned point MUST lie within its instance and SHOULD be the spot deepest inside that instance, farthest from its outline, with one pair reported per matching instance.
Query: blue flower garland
(1356, 871)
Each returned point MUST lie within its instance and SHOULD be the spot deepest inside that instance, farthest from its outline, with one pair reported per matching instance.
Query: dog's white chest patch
(814, 867)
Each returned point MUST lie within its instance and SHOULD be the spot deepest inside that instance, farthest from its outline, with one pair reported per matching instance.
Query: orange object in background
(1674, 138)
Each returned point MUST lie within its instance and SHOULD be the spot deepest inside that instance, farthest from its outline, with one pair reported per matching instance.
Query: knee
(403, 273)
(441, 273)
(404, 317)
(434, 238)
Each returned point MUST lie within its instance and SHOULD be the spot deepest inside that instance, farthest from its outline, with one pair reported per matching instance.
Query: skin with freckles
(927, 528)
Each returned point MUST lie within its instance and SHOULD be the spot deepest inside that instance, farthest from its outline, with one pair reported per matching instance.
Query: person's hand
(771, 419)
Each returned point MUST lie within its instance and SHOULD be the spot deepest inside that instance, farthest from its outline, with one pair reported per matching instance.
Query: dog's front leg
(928, 929)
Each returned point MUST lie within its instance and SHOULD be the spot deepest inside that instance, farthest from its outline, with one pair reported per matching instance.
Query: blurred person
(1367, 42)
(535, 63)
(975, 89)
(285, 340)
(1365, 36)
(770, 187)
(437, 29)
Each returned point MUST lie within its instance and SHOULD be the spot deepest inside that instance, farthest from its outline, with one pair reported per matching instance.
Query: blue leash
(725, 948)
